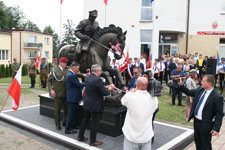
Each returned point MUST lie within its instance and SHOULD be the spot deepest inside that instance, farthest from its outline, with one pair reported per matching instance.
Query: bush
(10, 70)
(2, 71)
(7, 74)
(24, 70)
(49, 67)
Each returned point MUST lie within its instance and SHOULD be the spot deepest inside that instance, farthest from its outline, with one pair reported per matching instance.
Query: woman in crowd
(191, 84)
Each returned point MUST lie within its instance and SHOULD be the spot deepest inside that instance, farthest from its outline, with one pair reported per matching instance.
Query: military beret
(93, 13)
(14, 59)
(63, 59)
(43, 58)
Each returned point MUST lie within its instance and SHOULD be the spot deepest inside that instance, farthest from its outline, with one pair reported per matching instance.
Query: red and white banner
(15, 88)
(61, 1)
(124, 65)
(149, 62)
(38, 60)
(106, 1)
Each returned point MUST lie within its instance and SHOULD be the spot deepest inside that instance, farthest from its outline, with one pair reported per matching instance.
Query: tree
(69, 36)
(15, 17)
(56, 42)
(3, 16)
(29, 25)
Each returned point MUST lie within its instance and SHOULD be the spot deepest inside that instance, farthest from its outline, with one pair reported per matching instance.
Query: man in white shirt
(137, 127)
(161, 67)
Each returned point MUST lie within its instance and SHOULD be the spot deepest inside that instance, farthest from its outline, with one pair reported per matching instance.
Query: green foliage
(3, 16)
(29, 25)
(10, 70)
(7, 74)
(2, 71)
(69, 36)
(15, 17)
(24, 70)
(49, 67)
(48, 30)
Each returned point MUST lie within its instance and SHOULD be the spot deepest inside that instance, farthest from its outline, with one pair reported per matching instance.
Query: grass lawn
(25, 80)
(171, 113)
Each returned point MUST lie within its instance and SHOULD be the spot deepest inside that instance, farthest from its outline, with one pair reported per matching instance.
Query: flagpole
(105, 14)
(60, 28)
(4, 102)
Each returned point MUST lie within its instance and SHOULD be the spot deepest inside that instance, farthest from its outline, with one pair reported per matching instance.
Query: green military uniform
(32, 73)
(57, 82)
(43, 74)
(15, 68)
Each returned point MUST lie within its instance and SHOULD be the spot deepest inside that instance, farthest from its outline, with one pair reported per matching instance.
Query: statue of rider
(84, 31)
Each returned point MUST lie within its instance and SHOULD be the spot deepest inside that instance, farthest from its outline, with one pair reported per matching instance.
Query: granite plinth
(110, 124)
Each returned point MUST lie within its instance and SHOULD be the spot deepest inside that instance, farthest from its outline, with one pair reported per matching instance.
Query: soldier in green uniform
(15, 67)
(57, 89)
(32, 72)
(43, 72)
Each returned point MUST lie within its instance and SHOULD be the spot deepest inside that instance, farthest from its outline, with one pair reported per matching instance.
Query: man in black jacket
(207, 111)
(93, 104)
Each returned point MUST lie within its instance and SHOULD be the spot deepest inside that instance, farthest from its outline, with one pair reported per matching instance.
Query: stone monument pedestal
(110, 124)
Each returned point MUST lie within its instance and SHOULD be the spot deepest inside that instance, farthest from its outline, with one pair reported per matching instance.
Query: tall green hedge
(24, 70)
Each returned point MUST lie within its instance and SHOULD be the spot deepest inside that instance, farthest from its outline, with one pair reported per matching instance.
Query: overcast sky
(47, 12)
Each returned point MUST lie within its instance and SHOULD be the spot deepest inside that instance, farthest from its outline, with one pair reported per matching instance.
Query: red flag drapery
(15, 88)
(106, 1)
(61, 1)
(149, 62)
(124, 65)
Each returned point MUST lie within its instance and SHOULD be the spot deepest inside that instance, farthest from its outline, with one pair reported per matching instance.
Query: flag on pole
(14, 89)
(124, 65)
(218, 58)
(37, 65)
(106, 1)
(61, 1)
(149, 62)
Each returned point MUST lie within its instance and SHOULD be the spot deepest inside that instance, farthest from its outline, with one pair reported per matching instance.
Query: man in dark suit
(167, 69)
(207, 111)
(140, 65)
(133, 80)
(93, 104)
(74, 95)
(129, 72)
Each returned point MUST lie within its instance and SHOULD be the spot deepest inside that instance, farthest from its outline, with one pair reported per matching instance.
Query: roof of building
(11, 30)
(5, 32)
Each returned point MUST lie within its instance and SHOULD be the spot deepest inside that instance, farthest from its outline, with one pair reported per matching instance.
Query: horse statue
(103, 41)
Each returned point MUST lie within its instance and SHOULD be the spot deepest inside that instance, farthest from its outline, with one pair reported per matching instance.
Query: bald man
(137, 127)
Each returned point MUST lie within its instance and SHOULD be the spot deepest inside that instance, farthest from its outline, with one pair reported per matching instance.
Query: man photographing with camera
(176, 74)
(207, 111)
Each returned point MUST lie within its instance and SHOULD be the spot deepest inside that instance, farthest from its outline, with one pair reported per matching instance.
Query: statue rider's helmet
(93, 15)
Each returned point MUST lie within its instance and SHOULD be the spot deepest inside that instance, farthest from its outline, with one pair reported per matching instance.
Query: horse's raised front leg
(116, 72)
(106, 75)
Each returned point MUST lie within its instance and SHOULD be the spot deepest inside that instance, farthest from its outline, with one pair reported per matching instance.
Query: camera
(177, 80)
(154, 87)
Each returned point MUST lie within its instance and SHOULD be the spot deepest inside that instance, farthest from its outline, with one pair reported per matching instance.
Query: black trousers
(175, 92)
(221, 81)
(202, 139)
(156, 76)
(216, 76)
(95, 118)
(73, 115)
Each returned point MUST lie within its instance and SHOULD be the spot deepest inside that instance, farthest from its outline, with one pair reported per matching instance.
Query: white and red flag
(106, 1)
(61, 1)
(124, 65)
(38, 60)
(14, 89)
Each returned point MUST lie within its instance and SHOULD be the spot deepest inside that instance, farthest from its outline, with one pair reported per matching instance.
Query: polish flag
(106, 1)
(61, 1)
(124, 65)
(38, 60)
(149, 62)
(14, 89)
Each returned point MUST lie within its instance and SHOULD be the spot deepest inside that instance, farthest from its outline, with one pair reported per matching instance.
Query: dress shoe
(180, 105)
(96, 143)
(82, 138)
(64, 124)
(58, 127)
(70, 131)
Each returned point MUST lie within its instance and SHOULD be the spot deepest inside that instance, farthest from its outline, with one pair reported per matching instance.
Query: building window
(146, 41)
(46, 41)
(32, 39)
(32, 54)
(4, 54)
(146, 10)
(46, 54)
(223, 7)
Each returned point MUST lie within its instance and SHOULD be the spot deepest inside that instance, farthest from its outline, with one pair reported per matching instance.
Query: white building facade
(161, 26)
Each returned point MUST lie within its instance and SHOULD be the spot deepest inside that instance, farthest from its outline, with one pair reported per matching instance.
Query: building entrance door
(168, 48)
